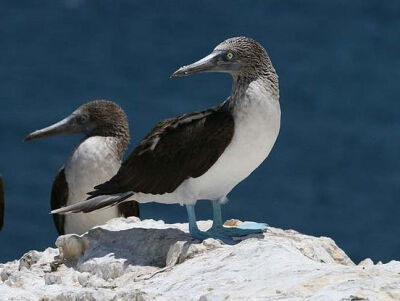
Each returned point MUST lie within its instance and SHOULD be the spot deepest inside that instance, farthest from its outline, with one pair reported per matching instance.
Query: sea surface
(335, 169)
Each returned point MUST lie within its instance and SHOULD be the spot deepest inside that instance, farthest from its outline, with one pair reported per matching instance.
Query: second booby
(93, 161)
(204, 155)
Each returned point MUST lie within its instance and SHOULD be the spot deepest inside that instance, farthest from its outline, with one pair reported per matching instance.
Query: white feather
(92, 162)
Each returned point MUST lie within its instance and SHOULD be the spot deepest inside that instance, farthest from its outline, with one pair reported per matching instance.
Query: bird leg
(196, 233)
(243, 230)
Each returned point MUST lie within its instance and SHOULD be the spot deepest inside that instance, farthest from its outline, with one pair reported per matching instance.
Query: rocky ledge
(129, 259)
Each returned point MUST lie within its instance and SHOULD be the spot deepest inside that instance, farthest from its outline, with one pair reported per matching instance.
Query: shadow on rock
(135, 246)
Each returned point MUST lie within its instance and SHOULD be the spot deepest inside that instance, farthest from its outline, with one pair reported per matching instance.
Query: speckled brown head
(239, 56)
(95, 118)
(103, 118)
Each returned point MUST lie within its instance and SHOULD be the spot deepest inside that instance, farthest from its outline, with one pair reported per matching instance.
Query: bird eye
(229, 55)
(81, 119)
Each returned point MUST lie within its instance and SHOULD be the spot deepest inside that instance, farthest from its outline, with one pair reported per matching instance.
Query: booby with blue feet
(96, 159)
(204, 155)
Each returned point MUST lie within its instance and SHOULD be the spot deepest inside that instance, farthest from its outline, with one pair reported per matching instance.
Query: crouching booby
(93, 161)
(204, 155)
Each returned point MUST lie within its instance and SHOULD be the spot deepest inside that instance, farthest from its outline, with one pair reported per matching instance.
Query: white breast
(257, 124)
(93, 162)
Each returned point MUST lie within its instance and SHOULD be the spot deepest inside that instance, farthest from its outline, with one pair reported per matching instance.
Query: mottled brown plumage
(107, 119)
(254, 62)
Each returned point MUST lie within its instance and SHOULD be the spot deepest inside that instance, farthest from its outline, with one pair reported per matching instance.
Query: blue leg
(201, 235)
(242, 230)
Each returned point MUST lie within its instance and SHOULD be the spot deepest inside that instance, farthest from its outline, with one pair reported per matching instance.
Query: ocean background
(335, 169)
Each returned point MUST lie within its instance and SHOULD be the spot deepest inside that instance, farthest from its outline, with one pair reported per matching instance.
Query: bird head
(239, 56)
(95, 118)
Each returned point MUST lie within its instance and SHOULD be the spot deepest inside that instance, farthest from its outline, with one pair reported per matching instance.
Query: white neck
(248, 92)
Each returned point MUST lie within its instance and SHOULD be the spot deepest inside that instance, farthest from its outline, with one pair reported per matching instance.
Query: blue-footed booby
(93, 161)
(2, 202)
(204, 155)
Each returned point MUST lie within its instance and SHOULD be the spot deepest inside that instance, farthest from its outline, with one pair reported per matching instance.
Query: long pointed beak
(65, 126)
(206, 64)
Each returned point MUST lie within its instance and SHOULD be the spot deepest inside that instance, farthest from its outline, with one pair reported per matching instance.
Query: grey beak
(207, 64)
(65, 126)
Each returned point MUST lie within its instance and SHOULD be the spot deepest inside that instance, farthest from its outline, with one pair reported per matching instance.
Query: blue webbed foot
(242, 230)
(202, 235)
(261, 227)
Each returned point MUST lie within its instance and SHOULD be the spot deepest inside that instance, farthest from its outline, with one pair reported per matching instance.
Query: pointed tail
(102, 201)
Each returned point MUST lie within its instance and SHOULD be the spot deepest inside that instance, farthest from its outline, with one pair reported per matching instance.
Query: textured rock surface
(129, 259)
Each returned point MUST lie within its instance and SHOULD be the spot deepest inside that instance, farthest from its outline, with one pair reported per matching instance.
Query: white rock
(50, 279)
(366, 262)
(129, 259)
(28, 259)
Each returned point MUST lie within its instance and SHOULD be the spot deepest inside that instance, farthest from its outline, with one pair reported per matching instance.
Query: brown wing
(175, 150)
(59, 198)
(2, 202)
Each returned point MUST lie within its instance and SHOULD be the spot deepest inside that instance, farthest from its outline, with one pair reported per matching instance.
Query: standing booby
(2, 202)
(93, 161)
(204, 155)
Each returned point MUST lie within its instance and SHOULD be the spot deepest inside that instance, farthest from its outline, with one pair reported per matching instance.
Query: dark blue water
(335, 169)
